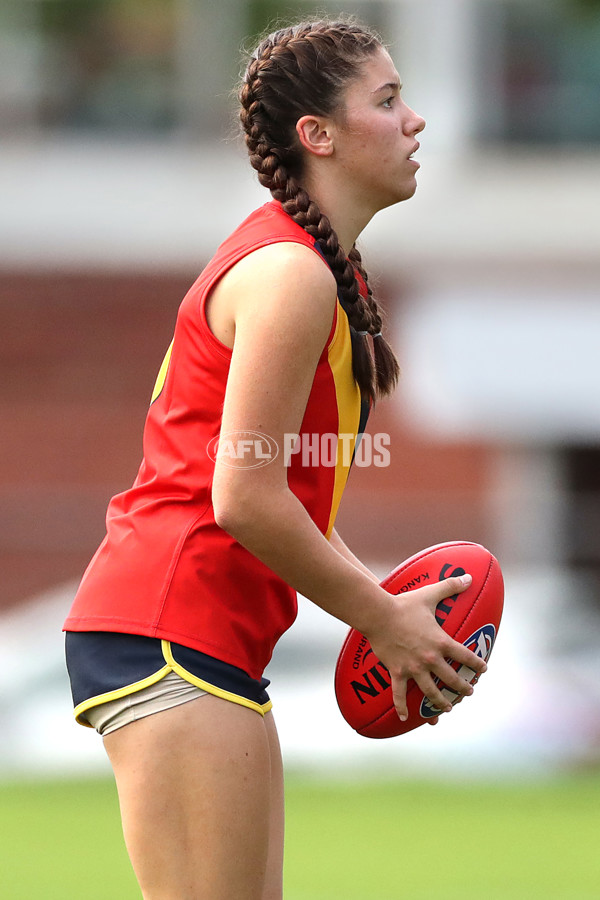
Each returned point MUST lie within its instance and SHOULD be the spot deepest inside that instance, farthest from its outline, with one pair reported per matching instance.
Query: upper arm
(281, 301)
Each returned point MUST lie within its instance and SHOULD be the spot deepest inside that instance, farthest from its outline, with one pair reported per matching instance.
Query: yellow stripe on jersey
(348, 398)
(162, 374)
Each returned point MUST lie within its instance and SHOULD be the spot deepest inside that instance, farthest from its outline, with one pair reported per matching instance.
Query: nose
(414, 123)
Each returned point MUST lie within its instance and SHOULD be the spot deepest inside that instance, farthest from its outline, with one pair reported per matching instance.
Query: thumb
(449, 587)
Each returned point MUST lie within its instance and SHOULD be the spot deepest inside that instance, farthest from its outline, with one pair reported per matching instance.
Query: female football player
(277, 343)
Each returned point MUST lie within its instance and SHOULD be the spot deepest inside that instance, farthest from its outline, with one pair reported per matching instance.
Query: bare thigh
(200, 789)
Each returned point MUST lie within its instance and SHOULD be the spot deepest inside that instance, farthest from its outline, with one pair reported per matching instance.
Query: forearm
(404, 635)
(337, 542)
(277, 529)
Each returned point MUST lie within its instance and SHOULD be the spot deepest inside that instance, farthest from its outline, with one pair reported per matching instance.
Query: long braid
(306, 213)
(387, 370)
(274, 153)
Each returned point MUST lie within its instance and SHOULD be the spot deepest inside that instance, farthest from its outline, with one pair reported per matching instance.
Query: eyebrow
(389, 86)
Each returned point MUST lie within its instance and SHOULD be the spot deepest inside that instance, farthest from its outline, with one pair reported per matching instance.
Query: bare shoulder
(287, 267)
(286, 260)
(285, 282)
(280, 303)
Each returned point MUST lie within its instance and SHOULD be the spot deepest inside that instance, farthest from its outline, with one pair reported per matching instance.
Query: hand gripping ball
(362, 682)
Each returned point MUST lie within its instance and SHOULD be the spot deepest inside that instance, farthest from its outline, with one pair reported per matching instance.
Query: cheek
(377, 138)
(386, 143)
(385, 134)
(367, 124)
(372, 139)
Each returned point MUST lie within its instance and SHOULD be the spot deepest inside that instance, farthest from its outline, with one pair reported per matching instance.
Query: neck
(348, 216)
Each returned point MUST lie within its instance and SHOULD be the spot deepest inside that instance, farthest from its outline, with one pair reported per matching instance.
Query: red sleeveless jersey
(165, 569)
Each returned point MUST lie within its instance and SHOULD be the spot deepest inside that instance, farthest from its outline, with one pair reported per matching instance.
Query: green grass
(445, 842)
(384, 841)
(63, 839)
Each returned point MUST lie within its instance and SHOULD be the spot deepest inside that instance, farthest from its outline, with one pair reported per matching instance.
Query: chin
(399, 196)
(409, 191)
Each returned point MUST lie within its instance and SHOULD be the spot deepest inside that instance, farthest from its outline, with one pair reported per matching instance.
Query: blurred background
(121, 171)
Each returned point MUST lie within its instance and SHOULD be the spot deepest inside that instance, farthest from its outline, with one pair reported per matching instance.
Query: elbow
(247, 507)
(233, 513)
(228, 519)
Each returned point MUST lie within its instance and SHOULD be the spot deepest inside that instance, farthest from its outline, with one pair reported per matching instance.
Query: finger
(457, 681)
(433, 721)
(449, 587)
(399, 688)
(433, 692)
(465, 657)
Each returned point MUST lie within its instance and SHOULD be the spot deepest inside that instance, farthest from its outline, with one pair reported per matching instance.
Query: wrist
(375, 612)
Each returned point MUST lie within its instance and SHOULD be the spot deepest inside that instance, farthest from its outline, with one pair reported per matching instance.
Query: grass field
(385, 841)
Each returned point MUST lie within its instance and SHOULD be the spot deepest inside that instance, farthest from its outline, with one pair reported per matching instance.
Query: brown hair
(299, 69)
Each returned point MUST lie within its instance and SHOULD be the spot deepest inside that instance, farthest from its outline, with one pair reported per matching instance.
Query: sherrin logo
(480, 643)
(243, 449)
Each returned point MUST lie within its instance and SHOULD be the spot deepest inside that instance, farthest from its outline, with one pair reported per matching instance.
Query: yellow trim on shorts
(171, 666)
(260, 708)
(118, 694)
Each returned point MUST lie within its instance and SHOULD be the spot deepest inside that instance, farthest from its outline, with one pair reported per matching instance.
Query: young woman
(179, 611)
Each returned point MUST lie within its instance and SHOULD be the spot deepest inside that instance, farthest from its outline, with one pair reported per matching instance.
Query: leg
(274, 878)
(194, 788)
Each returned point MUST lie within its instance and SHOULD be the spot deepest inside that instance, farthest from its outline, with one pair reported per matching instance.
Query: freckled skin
(378, 135)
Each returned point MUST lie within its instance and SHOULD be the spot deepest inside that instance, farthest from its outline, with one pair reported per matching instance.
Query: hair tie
(362, 333)
(379, 334)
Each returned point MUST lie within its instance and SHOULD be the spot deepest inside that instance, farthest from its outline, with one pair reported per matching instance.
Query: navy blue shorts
(108, 665)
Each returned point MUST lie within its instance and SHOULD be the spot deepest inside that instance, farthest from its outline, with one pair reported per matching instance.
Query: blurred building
(121, 171)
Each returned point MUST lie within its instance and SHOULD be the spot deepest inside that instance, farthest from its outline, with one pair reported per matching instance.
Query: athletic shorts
(106, 666)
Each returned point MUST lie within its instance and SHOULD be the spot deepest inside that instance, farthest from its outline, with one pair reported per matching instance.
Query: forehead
(377, 73)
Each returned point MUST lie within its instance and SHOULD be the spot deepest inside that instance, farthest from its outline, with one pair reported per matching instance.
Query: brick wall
(78, 357)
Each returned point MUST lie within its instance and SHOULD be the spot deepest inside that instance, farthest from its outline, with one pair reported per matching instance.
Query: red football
(362, 682)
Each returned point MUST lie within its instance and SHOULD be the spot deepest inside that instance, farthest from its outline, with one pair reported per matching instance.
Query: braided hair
(294, 70)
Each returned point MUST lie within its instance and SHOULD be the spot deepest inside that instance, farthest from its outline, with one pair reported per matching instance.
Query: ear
(315, 135)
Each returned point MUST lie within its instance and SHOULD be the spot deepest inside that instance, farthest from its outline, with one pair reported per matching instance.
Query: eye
(387, 103)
